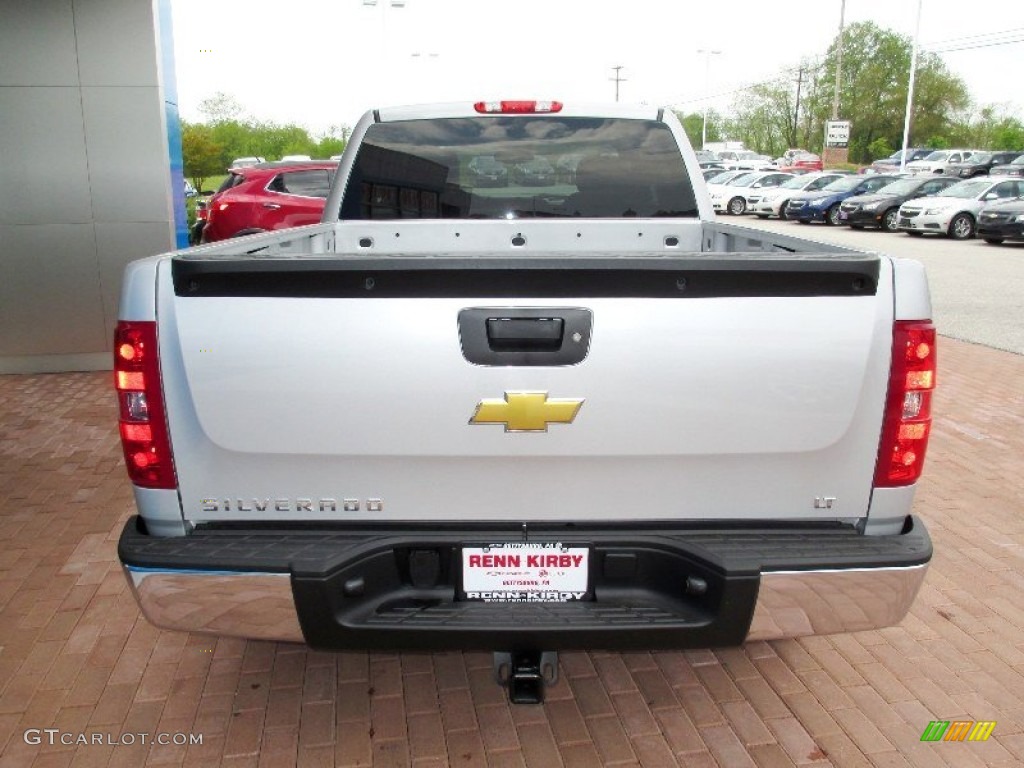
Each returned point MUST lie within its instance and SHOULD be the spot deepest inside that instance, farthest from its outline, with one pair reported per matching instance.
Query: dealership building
(91, 174)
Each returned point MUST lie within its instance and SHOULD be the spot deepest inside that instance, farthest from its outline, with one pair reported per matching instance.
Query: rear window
(311, 183)
(232, 180)
(512, 166)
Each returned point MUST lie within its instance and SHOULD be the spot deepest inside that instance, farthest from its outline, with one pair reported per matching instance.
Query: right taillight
(147, 448)
(908, 407)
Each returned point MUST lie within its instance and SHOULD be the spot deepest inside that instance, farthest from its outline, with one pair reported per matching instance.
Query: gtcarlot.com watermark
(55, 736)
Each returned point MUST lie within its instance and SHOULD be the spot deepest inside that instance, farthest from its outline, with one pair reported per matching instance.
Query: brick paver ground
(75, 655)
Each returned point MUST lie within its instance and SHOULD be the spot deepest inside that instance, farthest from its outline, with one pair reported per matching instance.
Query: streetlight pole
(384, 44)
(708, 53)
(910, 91)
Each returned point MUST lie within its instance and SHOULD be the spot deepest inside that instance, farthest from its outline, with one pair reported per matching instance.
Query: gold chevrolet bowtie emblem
(526, 411)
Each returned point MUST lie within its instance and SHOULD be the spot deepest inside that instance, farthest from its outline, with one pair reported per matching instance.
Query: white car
(745, 160)
(954, 212)
(728, 178)
(246, 162)
(723, 176)
(773, 202)
(736, 196)
(937, 161)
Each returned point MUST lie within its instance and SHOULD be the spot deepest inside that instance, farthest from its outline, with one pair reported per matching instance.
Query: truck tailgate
(339, 389)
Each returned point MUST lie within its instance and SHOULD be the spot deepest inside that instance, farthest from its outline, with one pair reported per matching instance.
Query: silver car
(774, 201)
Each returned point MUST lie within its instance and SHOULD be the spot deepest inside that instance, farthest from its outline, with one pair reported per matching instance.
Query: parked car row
(735, 191)
(983, 164)
(774, 202)
(961, 163)
(989, 206)
(881, 208)
(269, 196)
(824, 205)
(954, 212)
(792, 161)
(805, 197)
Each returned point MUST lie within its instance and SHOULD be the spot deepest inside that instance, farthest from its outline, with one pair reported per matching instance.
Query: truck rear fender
(912, 301)
(159, 507)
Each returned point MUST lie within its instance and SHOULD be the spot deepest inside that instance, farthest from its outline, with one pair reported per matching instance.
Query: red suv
(802, 162)
(268, 196)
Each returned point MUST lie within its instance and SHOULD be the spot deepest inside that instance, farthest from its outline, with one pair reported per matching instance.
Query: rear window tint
(513, 167)
(311, 183)
(232, 180)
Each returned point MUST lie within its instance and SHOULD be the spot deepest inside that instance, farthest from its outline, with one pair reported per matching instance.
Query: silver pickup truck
(536, 402)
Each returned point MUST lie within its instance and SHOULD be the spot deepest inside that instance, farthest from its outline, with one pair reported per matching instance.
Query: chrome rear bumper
(799, 603)
(253, 605)
(757, 585)
(789, 604)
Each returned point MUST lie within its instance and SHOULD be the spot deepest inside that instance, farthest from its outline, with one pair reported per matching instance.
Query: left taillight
(143, 426)
(908, 408)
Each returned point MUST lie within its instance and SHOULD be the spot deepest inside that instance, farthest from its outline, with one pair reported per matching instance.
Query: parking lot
(76, 657)
(976, 287)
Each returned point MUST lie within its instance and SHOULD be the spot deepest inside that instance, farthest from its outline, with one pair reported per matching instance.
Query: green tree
(693, 124)
(202, 156)
(220, 108)
(332, 141)
(329, 147)
(275, 141)
(765, 117)
(873, 90)
(237, 135)
(992, 128)
(879, 148)
(236, 139)
(1009, 134)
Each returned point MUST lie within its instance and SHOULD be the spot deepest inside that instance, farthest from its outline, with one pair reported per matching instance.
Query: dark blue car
(823, 204)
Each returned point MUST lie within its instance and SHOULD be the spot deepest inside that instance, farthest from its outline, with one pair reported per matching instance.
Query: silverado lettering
(557, 254)
(289, 505)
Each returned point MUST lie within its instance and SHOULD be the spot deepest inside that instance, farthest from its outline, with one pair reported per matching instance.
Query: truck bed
(362, 371)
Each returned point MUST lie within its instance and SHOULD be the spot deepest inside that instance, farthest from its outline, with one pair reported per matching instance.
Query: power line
(1000, 33)
(785, 75)
(974, 47)
(820, 62)
(820, 66)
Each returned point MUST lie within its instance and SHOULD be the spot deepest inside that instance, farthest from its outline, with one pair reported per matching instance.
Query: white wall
(85, 172)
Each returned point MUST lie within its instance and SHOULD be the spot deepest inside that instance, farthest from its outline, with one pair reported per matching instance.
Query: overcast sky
(325, 62)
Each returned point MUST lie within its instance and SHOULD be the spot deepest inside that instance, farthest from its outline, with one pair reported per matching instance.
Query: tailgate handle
(525, 335)
(520, 334)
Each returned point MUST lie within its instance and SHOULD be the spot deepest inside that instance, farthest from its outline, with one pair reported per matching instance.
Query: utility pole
(617, 79)
(839, 62)
(796, 112)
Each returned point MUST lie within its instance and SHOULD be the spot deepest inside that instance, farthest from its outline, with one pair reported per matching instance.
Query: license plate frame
(525, 572)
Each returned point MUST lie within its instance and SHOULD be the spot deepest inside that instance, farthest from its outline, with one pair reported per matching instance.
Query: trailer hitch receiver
(525, 673)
